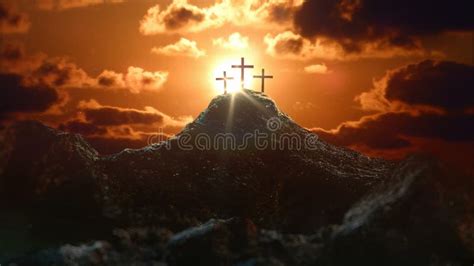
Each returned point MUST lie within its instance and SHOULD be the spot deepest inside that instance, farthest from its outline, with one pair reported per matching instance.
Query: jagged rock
(237, 241)
(287, 249)
(96, 253)
(234, 241)
(422, 215)
(217, 242)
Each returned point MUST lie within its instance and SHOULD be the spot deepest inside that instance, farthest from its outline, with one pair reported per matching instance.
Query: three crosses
(242, 67)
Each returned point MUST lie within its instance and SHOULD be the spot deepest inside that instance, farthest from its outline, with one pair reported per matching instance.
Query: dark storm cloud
(108, 116)
(398, 23)
(438, 85)
(391, 130)
(180, 17)
(12, 21)
(15, 96)
(447, 85)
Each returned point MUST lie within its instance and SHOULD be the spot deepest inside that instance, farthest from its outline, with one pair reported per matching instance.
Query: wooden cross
(225, 78)
(263, 77)
(242, 67)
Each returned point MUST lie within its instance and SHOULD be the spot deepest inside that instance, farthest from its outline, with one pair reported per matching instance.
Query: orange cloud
(113, 139)
(12, 21)
(177, 15)
(139, 80)
(111, 129)
(110, 78)
(290, 45)
(183, 47)
(136, 79)
(185, 17)
(59, 72)
(103, 115)
(316, 69)
(234, 41)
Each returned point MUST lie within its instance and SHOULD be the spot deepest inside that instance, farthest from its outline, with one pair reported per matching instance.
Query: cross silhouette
(263, 77)
(242, 67)
(225, 78)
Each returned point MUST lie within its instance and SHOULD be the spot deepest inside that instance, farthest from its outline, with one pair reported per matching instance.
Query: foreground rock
(423, 215)
(233, 241)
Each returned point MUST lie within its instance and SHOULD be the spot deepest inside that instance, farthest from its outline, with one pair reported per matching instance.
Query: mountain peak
(243, 112)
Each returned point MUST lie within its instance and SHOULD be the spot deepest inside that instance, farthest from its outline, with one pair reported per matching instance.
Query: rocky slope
(284, 198)
(293, 188)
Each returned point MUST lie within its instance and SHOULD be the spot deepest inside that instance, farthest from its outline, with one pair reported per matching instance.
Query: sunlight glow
(234, 84)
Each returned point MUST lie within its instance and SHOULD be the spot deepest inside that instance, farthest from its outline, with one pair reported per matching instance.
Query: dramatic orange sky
(117, 71)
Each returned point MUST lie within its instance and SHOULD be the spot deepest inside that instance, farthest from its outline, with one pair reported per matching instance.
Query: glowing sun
(232, 74)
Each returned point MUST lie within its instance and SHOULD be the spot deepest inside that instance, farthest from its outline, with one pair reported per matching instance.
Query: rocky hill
(287, 187)
(278, 196)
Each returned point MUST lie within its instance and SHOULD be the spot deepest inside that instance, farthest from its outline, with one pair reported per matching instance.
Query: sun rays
(234, 85)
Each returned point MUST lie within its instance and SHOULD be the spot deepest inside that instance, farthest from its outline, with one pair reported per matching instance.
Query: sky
(386, 78)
